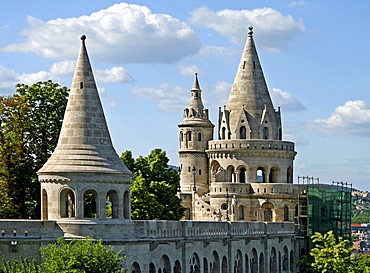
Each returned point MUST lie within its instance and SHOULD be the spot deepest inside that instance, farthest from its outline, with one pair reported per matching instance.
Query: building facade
(235, 223)
(247, 173)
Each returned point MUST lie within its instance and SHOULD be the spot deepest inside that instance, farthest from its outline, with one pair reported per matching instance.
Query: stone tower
(196, 130)
(250, 166)
(84, 177)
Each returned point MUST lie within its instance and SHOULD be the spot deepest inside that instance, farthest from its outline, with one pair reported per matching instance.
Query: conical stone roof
(195, 113)
(84, 144)
(249, 95)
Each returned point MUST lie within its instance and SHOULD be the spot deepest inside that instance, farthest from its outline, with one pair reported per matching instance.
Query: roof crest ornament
(250, 32)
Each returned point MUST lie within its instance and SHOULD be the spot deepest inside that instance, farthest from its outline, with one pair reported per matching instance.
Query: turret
(249, 113)
(195, 130)
(84, 178)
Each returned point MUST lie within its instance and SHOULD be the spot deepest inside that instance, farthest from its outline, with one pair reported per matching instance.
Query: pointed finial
(250, 32)
(196, 83)
(83, 38)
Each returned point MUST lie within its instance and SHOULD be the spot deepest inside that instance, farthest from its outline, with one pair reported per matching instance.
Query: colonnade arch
(67, 203)
(251, 174)
(254, 261)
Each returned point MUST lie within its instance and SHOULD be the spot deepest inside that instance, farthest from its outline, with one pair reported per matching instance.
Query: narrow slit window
(244, 64)
(81, 85)
(254, 65)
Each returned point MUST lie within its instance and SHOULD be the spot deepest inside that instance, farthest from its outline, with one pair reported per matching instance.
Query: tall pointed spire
(196, 97)
(84, 144)
(250, 97)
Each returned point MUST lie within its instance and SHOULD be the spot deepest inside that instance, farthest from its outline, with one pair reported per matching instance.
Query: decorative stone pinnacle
(250, 32)
(83, 37)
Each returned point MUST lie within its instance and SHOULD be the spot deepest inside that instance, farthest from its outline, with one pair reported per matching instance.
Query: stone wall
(168, 245)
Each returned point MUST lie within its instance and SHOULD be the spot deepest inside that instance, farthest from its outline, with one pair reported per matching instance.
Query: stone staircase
(205, 212)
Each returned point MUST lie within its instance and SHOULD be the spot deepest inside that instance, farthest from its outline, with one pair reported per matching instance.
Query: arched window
(188, 135)
(241, 212)
(265, 133)
(199, 136)
(267, 208)
(254, 261)
(44, 205)
(289, 175)
(181, 136)
(243, 132)
(205, 265)
(273, 261)
(224, 265)
(165, 265)
(90, 210)
(262, 263)
(238, 263)
(112, 204)
(246, 263)
(67, 203)
(126, 205)
(177, 267)
(215, 264)
(151, 268)
(242, 175)
(291, 261)
(223, 133)
(285, 259)
(274, 175)
(135, 268)
(261, 175)
(194, 263)
(230, 173)
(286, 213)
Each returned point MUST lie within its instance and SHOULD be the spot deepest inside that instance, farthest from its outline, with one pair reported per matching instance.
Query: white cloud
(189, 70)
(112, 75)
(167, 98)
(212, 51)
(274, 30)
(122, 33)
(350, 119)
(9, 78)
(216, 96)
(31, 78)
(63, 68)
(296, 3)
(286, 101)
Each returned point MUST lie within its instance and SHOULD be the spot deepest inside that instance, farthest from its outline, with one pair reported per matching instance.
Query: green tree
(154, 187)
(76, 256)
(30, 124)
(361, 263)
(80, 256)
(329, 254)
(22, 265)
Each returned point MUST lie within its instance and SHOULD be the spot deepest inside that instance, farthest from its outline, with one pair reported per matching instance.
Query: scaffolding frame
(323, 207)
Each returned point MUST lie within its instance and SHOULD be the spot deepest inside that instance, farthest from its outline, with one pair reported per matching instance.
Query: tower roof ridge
(84, 144)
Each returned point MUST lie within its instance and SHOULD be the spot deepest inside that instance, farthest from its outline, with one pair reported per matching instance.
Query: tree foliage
(361, 263)
(30, 123)
(76, 256)
(154, 187)
(329, 255)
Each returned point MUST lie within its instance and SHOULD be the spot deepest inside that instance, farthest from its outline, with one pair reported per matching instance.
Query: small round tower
(84, 178)
(195, 130)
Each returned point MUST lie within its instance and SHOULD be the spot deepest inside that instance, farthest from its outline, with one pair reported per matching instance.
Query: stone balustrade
(251, 144)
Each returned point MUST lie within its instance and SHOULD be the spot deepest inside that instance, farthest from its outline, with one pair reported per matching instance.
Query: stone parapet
(250, 144)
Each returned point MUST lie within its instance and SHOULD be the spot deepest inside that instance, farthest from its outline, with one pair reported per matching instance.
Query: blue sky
(315, 56)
